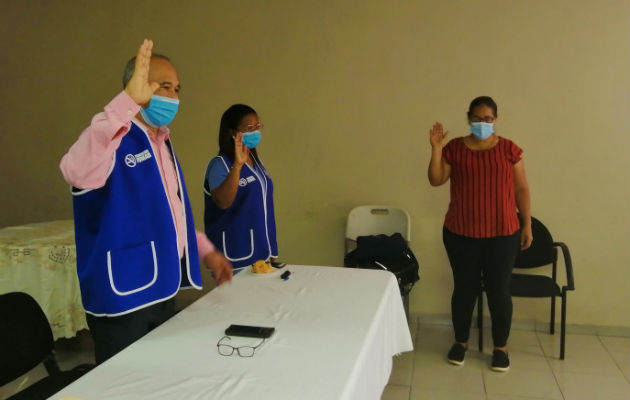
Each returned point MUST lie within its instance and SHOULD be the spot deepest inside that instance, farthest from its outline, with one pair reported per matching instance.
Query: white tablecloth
(40, 259)
(336, 332)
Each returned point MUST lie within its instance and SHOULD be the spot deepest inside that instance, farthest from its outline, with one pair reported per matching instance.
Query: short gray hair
(131, 66)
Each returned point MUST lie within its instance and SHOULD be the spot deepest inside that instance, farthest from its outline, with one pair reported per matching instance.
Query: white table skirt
(40, 259)
(336, 332)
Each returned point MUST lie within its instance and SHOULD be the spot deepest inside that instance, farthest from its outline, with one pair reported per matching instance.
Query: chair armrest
(568, 264)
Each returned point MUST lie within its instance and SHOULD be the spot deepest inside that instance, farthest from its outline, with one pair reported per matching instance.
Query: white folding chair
(376, 220)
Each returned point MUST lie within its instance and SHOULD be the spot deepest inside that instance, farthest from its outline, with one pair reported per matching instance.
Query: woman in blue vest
(239, 215)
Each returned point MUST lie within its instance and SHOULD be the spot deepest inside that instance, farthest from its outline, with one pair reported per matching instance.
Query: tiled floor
(595, 368)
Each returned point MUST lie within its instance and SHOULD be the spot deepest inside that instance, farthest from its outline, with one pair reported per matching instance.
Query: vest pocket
(132, 269)
(238, 249)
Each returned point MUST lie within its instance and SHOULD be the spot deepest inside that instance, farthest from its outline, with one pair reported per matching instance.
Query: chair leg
(405, 300)
(552, 319)
(50, 363)
(480, 320)
(563, 324)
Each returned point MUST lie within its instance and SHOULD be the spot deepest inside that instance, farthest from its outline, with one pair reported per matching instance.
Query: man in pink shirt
(136, 242)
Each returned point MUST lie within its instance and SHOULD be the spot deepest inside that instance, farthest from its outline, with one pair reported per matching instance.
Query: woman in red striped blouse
(482, 232)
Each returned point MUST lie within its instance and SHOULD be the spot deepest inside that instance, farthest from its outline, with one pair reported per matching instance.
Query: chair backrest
(25, 337)
(541, 252)
(374, 220)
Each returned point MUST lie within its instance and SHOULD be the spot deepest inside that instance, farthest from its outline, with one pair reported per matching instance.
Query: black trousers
(112, 334)
(472, 260)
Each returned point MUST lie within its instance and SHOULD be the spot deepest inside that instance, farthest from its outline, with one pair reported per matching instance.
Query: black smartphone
(249, 331)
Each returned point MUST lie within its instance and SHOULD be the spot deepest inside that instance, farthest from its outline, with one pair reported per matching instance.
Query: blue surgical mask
(251, 139)
(161, 111)
(482, 130)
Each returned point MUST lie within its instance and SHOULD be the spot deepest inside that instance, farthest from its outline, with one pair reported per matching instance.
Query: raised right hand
(240, 150)
(139, 88)
(437, 136)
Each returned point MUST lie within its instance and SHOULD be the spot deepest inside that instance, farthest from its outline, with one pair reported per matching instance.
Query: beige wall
(348, 91)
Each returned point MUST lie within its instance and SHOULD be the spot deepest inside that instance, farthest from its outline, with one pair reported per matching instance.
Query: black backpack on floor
(390, 253)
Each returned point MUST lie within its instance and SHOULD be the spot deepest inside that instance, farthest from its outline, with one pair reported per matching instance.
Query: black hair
(482, 101)
(230, 120)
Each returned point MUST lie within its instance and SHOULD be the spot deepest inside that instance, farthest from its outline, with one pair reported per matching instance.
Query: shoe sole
(500, 369)
(455, 362)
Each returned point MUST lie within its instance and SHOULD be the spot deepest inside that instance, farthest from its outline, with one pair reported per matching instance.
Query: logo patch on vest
(132, 160)
(244, 181)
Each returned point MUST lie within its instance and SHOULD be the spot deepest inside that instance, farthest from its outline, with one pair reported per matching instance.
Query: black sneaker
(500, 361)
(456, 354)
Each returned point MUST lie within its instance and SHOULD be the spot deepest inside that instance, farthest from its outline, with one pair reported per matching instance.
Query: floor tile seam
(530, 396)
(553, 373)
(613, 358)
(485, 397)
(447, 390)
(606, 338)
(402, 386)
(483, 381)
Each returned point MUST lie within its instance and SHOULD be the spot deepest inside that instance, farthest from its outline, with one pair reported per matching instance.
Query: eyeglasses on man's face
(243, 351)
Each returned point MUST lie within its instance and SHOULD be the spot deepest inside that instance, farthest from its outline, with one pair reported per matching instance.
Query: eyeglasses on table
(243, 351)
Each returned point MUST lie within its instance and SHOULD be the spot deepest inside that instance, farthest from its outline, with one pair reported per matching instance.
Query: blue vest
(246, 231)
(126, 238)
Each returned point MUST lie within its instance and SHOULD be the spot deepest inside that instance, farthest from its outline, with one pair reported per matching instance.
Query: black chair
(542, 252)
(27, 340)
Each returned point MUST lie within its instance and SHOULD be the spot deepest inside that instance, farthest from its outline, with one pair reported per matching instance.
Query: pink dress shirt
(88, 162)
